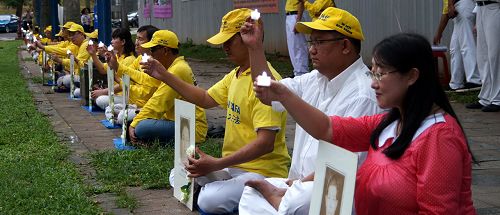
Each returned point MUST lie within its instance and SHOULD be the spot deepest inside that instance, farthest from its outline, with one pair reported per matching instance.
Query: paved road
(7, 36)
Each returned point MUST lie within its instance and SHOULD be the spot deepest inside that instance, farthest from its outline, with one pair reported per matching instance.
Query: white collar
(338, 82)
(390, 130)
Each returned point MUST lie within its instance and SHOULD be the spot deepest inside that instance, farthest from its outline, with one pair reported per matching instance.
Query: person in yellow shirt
(254, 142)
(142, 86)
(45, 41)
(61, 47)
(155, 121)
(317, 7)
(123, 48)
(81, 56)
(48, 35)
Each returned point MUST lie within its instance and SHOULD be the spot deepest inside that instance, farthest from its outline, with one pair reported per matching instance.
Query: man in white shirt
(488, 55)
(337, 86)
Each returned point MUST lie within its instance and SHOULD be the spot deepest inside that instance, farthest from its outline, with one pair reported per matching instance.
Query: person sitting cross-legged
(337, 86)
(254, 141)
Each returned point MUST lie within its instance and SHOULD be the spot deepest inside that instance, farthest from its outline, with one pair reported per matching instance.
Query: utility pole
(123, 14)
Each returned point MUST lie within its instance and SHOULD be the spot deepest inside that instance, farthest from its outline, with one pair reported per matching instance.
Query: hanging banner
(146, 13)
(264, 6)
(162, 9)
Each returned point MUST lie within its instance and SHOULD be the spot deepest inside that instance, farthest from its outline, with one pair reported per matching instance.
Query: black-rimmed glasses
(319, 42)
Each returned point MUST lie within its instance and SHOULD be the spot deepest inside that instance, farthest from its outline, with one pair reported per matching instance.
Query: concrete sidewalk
(83, 134)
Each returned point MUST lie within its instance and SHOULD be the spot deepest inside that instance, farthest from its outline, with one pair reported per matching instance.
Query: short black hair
(355, 42)
(150, 30)
(174, 51)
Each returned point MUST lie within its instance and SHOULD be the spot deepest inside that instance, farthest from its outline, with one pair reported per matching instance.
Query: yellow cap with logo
(48, 28)
(76, 27)
(334, 19)
(163, 38)
(93, 35)
(231, 24)
(60, 33)
(67, 25)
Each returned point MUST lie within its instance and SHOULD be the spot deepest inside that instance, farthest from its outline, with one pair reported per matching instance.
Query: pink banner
(162, 9)
(146, 13)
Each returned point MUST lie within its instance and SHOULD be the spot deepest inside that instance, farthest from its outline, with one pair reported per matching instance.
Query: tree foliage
(13, 3)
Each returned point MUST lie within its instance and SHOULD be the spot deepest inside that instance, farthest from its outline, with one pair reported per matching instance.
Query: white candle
(91, 42)
(190, 151)
(101, 44)
(145, 58)
(255, 15)
(110, 48)
(264, 80)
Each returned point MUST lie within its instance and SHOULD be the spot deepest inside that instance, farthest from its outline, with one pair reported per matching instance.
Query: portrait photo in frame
(184, 140)
(334, 180)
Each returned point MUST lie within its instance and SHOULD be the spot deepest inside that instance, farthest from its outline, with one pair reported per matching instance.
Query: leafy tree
(18, 4)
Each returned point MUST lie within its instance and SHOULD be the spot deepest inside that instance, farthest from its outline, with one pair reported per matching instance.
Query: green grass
(463, 97)
(35, 174)
(282, 64)
(148, 168)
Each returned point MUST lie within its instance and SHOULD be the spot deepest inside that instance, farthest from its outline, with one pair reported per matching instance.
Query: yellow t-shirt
(445, 6)
(161, 104)
(317, 7)
(58, 49)
(245, 115)
(142, 86)
(292, 5)
(82, 56)
(61, 52)
(45, 41)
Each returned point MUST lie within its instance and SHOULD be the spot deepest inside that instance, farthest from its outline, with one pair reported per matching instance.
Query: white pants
(120, 111)
(66, 80)
(223, 196)
(103, 101)
(297, 47)
(463, 47)
(295, 201)
(488, 52)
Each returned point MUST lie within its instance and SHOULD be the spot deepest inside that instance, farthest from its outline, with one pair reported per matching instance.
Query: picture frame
(185, 119)
(334, 180)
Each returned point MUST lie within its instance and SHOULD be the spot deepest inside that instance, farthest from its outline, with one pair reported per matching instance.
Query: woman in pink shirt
(418, 160)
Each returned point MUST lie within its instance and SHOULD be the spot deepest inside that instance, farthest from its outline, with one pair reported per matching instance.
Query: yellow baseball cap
(67, 25)
(59, 34)
(76, 27)
(231, 24)
(334, 19)
(94, 34)
(163, 38)
(48, 28)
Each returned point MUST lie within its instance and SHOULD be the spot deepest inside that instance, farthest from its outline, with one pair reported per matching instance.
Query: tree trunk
(71, 11)
(44, 14)
(19, 13)
(123, 12)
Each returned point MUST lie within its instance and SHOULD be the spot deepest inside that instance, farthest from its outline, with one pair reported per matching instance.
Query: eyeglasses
(154, 48)
(319, 42)
(377, 75)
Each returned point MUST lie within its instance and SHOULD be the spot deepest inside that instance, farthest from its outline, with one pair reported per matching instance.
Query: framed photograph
(334, 180)
(184, 140)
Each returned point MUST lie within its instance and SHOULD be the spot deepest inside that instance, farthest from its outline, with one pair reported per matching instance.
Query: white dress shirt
(348, 94)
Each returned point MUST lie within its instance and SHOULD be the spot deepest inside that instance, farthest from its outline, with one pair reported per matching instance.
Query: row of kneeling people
(395, 115)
